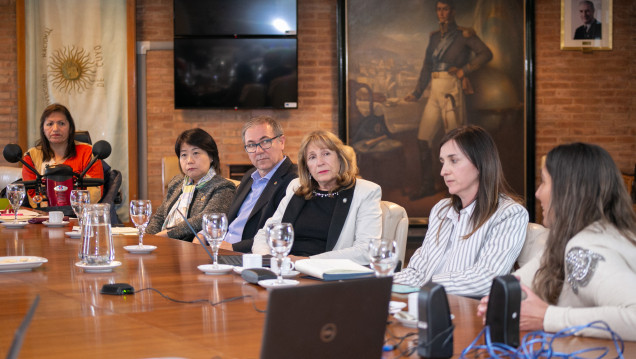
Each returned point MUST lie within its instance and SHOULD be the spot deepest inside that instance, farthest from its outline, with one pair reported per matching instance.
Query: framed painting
(394, 57)
(586, 25)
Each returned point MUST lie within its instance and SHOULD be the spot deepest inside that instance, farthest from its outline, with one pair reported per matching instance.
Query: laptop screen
(328, 320)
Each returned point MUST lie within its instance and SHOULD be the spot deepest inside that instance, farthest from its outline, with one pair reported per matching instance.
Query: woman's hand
(533, 311)
(295, 258)
(482, 308)
(163, 233)
(227, 246)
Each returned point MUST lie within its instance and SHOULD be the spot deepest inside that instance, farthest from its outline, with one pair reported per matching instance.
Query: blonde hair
(346, 177)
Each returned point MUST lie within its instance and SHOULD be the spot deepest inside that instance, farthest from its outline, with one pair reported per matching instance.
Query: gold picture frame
(586, 25)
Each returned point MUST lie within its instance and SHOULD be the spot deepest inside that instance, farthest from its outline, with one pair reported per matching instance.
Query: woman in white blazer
(334, 214)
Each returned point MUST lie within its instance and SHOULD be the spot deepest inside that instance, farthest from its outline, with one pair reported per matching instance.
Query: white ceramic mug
(251, 260)
(288, 265)
(56, 216)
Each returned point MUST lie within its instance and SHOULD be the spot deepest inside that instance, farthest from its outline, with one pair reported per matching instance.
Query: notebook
(344, 319)
(333, 269)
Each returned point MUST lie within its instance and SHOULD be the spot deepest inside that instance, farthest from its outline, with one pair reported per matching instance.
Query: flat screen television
(230, 17)
(237, 73)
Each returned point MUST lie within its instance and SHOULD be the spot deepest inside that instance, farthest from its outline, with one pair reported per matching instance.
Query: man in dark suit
(591, 28)
(262, 187)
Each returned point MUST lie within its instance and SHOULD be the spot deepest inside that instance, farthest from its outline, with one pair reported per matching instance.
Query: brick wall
(317, 71)
(582, 97)
(587, 96)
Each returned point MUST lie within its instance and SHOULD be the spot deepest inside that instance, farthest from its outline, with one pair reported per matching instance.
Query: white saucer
(49, 224)
(10, 224)
(98, 268)
(75, 235)
(20, 263)
(395, 307)
(273, 283)
(406, 319)
(219, 269)
(143, 249)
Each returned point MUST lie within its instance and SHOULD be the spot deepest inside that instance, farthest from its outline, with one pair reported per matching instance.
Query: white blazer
(363, 223)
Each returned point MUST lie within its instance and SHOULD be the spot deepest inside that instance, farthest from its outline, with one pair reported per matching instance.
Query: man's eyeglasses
(265, 145)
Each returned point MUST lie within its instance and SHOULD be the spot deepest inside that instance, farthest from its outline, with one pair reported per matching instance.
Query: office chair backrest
(169, 169)
(534, 243)
(83, 136)
(395, 226)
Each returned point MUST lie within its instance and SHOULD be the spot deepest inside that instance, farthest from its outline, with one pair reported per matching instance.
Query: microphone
(203, 244)
(13, 154)
(101, 150)
(18, 338)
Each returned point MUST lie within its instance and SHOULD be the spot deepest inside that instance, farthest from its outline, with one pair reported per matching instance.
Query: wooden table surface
(73, 320)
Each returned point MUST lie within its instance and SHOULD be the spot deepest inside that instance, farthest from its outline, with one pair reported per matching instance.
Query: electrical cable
(538, 344)
(227, 300)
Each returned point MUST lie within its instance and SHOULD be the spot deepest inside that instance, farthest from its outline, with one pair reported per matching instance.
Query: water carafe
(97, 240)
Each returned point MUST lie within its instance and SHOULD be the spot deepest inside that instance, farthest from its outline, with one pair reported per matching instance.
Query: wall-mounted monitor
(237, 73)
(240, 17)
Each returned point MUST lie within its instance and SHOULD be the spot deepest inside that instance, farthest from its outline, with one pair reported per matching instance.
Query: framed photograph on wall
(394, 118)
(586, 25)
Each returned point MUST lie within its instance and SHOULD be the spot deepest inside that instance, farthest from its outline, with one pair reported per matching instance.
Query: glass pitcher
(97, 241)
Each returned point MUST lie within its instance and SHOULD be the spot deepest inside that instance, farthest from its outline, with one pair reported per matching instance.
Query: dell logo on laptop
(328, 332)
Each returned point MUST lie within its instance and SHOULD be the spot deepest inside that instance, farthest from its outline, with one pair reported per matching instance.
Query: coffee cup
(252, 260)
(287, 266)
(56, 217)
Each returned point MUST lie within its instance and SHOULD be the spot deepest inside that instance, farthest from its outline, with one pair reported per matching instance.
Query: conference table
(73, 320)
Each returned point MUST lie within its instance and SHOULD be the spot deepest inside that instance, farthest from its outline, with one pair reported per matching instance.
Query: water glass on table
(140, 212)
(215, 228)
(383, 256)
(79, 198)
(15, 195)
(280, 238)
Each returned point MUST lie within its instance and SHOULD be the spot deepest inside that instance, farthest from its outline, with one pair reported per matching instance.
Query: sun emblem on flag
(71, 69)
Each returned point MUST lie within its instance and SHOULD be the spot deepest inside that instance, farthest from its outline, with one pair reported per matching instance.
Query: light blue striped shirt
(235, 229)
(467, 266)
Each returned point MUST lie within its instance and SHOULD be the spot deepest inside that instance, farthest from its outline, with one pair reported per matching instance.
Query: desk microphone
(203, 244)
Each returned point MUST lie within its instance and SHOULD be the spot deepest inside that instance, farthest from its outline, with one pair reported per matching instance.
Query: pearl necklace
(325, 195)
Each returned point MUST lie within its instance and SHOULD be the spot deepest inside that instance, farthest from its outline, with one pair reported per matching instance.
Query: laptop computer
(344, 319)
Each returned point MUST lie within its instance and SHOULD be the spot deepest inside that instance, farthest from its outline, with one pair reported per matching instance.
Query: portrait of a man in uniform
(416, 69)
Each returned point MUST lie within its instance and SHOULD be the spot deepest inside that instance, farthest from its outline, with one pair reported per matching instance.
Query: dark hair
(262, 120)
(586, 187)
(346, 177)
(43, 142)
(450, 3)
(585, 2)
(199, 138)
(480, 148)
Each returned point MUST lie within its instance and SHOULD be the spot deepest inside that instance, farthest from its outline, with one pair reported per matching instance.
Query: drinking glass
(140, 212)
(15, 195)
(97, 245)
(280, 238)
(383, 256)
(215, 228)
(79, 198)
